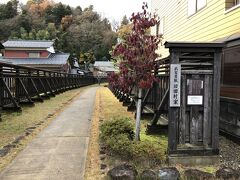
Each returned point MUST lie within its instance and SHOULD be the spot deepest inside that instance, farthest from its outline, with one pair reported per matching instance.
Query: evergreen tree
(124, 21)
(8, 10)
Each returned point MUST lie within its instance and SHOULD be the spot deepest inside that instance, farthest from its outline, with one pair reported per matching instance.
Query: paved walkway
(60, 151)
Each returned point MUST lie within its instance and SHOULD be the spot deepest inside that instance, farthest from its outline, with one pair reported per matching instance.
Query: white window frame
(195, 5)
(34, 55)
(235, 6)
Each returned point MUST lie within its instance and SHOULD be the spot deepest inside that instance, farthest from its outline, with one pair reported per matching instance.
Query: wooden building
(35, 53)
(103, 68)
(207, 21)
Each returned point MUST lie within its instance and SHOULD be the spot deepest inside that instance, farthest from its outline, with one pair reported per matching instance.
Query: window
(34, 55)
(231, 3)
(231, 72)
(195, 5)
(231, 66)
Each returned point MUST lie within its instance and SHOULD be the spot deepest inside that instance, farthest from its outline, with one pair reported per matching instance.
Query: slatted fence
(21, 85)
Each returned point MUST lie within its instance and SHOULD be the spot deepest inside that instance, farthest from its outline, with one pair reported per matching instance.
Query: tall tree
(25, 22)
(90, 33)
(77, 11)
(51, 29)
(59, 11)
(138, 56)
(124, 21)
(8, 10)
(125, 29)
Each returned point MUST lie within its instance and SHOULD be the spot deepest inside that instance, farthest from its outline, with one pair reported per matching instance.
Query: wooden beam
(50, 88)
(182, 120)
(157, 113)
(144, 103)
(36, 90)
(14, 102)
(25, 91)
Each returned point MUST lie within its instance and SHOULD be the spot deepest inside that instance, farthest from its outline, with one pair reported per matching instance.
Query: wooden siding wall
(210, 23)
(24, 53)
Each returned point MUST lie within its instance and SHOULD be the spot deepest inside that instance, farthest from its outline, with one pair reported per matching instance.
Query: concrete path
(60, 151)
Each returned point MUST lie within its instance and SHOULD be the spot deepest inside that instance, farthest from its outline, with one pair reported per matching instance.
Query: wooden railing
(195, 64)
(154, 99)
(21, 85)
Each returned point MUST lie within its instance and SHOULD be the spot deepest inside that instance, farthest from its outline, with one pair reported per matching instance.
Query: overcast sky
(112, 9)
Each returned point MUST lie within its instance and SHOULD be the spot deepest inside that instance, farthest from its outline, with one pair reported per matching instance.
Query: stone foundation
(193, 160)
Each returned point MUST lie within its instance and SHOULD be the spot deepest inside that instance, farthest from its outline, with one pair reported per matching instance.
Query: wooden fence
(21, 85)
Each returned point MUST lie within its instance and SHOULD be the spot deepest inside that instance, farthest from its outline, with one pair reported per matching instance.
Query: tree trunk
(138, 115)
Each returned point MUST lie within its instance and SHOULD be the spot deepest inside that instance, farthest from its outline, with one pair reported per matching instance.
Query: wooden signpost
(175, 85)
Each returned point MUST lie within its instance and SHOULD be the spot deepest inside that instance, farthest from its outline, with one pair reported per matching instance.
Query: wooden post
(42, 85)
(173, 115)
(17, 85)
(216, 98)
(29, 84)
(1, 89)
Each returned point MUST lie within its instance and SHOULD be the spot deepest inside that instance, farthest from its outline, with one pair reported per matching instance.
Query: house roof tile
(106, 66)
(53, 59)
(27, 44)
(103, 63)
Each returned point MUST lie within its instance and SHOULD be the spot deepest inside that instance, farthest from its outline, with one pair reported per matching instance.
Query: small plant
(120, 145)
(116, 127)
(143, 150)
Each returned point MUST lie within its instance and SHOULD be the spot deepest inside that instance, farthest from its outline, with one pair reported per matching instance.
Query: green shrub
(115, 127)
(148, 150)
(120, 145)
(117, 135)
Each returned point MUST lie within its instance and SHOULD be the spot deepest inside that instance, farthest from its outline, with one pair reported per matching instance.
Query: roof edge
(175, 44)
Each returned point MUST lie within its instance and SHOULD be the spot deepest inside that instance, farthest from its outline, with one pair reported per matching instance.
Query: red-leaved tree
(138, 54)
(113, 79)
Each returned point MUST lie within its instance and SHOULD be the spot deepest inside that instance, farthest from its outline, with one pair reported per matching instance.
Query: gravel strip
(229, 153)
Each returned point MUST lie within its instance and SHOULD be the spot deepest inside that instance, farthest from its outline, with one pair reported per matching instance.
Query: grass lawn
(14, 124)
(111, 108)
